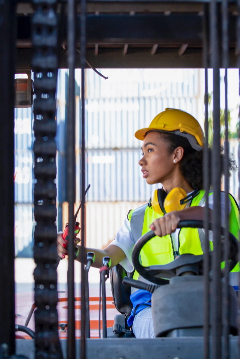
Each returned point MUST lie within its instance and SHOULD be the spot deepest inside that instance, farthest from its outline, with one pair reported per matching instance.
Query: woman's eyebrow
(148, 143)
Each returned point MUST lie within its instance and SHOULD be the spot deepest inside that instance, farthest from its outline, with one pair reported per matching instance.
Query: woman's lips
(145, 173)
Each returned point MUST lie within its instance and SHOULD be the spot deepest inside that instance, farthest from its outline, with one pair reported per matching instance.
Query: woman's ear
(178, 154)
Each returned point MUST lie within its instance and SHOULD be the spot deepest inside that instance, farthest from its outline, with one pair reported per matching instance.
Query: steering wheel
(155, 273)
(23, 328)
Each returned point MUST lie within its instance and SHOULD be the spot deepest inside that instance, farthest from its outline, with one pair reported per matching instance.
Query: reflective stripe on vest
(186, 244)
(234, 224)
(136, 222)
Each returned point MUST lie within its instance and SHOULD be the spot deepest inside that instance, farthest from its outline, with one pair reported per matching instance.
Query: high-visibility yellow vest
(190, 240)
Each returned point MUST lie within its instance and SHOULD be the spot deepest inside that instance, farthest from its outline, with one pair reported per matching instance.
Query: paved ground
(25, 295)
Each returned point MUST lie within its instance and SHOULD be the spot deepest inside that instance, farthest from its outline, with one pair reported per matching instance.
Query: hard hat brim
(140, 134)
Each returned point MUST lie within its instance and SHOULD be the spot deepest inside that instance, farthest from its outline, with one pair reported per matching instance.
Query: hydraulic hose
(22, 328)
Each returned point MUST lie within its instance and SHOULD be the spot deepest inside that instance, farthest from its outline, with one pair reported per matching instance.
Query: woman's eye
(147, 151)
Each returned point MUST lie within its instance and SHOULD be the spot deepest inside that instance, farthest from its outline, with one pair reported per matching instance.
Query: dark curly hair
(191, 164)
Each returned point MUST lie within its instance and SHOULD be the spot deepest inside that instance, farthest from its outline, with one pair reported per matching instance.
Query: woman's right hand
(166, 224)
(61, 246)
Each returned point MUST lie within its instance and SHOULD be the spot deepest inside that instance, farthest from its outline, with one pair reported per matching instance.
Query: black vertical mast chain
(45, 67)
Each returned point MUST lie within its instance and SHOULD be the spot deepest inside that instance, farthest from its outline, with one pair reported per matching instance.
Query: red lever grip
(76, 230)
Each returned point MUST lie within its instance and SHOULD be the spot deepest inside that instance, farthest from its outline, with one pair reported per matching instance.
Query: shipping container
(123, 83)
(24, 230)
(23, 175)
(115, 109)
(23, 183)
(104, 220)
(115, 175)
(112, 123)
(23, 129)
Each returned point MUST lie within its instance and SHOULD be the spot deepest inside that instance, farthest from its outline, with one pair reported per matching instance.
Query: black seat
(120, 292)
(121, 297)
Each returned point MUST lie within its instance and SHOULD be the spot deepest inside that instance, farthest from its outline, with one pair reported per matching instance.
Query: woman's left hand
(166, 224)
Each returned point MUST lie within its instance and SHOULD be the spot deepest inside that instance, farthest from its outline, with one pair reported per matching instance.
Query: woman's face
(157, 163)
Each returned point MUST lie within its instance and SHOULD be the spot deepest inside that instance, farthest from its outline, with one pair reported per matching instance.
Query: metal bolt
(63, 327)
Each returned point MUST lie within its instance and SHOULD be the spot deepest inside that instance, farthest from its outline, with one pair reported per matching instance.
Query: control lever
(76, 231)
(106, 261)
(90, 261)
(104, 275)
(139, 285)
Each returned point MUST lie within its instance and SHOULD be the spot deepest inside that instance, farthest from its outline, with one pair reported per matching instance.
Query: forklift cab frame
(109, 34)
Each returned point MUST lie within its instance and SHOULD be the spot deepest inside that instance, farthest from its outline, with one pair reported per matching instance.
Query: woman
(172, 156)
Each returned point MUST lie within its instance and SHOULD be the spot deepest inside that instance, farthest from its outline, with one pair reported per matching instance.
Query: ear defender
(176, 200)
(157, 201)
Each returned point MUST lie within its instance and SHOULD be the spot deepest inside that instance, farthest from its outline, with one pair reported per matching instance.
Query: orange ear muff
(163, 203)
(158, 199)
(173, 200)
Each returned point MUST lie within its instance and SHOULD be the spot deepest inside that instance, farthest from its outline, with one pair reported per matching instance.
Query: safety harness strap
(201, 230)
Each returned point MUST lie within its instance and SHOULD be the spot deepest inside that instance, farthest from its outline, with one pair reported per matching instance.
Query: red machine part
(76, 230)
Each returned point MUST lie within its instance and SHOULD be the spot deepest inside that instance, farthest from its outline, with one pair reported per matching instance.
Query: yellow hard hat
(178, 122)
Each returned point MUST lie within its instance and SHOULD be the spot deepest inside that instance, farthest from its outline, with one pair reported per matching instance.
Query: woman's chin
(149, 181)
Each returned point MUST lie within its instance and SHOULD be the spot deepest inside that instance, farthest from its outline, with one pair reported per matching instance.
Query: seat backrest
(121, 293)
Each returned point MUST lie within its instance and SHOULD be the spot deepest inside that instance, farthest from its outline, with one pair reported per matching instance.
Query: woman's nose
(141, 161)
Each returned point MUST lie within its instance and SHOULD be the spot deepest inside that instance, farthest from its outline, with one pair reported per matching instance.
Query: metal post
(83, 62)
(104, 306)
(87, 306)
(206, 184)
(71, 175)
(238, 65)
(216, 175)
(90, 261)
(226, 312)
(7, 69)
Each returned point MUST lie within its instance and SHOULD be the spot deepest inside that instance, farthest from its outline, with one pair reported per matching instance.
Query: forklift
(194, 305)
